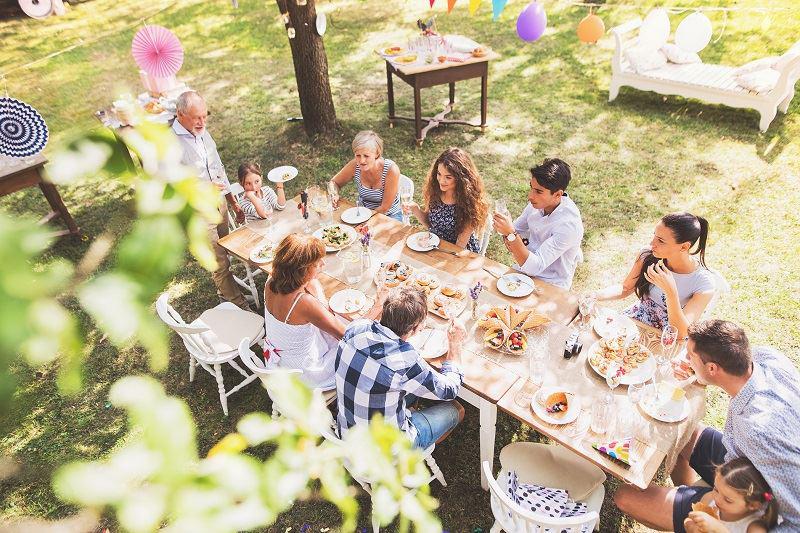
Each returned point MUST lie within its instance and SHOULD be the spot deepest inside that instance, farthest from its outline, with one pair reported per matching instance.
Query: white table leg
(488, 414)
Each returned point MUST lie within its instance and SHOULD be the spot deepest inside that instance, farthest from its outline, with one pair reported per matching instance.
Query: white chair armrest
(628, 27)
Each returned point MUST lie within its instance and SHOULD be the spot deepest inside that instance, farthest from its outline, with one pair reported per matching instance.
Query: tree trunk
(310, 67)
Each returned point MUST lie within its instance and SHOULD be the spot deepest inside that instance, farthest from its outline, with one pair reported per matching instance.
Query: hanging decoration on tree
(497, 8)
(531, 22)
(654, 31)
(591, 28)
(157, 51)
(693, 33)
(450, 5)
(23, 132)
(473, 6)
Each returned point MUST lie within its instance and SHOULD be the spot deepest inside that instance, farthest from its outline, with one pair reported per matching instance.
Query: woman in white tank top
(301, 331)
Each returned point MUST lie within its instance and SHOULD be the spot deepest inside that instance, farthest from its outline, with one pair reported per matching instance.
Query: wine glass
(669, 339)
(333, 193)
(359, 205)
(406, 197)
(636, 392)
(586, 303)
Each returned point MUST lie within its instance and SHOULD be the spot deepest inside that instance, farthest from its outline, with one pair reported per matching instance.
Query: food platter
(505, 327)
(347, 301)
(636, 362)
(282, 174)
(263, 253)
(555, 405)
(336, 236)
(515, 285)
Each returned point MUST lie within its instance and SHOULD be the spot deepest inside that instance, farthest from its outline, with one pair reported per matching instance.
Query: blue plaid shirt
(375, 370)
(763, 425)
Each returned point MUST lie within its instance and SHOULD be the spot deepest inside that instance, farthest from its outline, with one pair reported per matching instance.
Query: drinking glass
(333, 193)
(586, 303)
(501, 208)
(359, 205)
(406, 197)
(601, 414)
(538, 355)
(636, 392)
(351, 264)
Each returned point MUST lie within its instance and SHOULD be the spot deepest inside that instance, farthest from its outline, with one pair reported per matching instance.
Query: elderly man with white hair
(200, 152)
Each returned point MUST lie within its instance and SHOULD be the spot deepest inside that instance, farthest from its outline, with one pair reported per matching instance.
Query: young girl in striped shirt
(257, 197)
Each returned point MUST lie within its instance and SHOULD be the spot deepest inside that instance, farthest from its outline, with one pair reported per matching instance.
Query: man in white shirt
(200, 152)
(546, 238)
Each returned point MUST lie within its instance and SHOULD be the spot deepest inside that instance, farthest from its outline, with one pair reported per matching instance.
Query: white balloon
(694, 32)
(654, 31)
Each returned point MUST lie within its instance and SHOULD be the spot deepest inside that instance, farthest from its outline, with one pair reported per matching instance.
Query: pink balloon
(532, 22)
(157, 51)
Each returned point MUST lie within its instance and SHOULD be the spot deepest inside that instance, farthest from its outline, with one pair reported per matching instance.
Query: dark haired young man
(377, 371)
(763, 424)
(546, 238)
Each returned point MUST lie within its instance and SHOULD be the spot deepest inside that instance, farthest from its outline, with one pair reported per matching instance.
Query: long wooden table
(495, 379)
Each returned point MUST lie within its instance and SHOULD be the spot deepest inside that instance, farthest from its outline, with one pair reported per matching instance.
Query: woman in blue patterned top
(377, 178)
(455, 200)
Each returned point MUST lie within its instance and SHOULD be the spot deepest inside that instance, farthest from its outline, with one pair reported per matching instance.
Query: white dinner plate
(352, 235)
(347, 301)
(573, 406)
(430, 343)
(515, 285)
(609, 323)
(282, 174)
(640, 374)
(413, 241)
(356, 215)
(256, 255)
(662, 407)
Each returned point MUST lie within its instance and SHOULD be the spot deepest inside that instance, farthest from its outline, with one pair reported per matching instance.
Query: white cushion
(642, 59)
(676, 54)
(761, 81)
(552, 466)
(229, 326)
(758, 64)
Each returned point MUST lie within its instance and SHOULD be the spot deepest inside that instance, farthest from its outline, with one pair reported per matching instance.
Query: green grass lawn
(633, 160)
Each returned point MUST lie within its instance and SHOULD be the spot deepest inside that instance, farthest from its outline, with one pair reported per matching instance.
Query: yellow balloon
(591, 28)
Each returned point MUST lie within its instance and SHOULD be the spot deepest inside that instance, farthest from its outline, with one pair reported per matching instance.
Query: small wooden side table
(29, 174)
(429, 75)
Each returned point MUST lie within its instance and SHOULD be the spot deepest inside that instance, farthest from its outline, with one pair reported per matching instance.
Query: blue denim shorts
(708, 453)
(433, 422)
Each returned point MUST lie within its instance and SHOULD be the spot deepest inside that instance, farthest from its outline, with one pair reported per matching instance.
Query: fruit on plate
(517, 342)
(479, 52)
(452, 292)
(495, 338)
(393, 51)
(405, 60)
(154, 107)
(557, 404)
(701, 507)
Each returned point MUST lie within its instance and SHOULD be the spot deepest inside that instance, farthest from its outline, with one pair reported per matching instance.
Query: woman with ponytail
(670, 278)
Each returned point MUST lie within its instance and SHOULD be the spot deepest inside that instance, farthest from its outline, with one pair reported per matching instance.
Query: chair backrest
(238, 193)
(487, 234)
(405, 181)
(259, 367)
(197, 339)
(721, 286)
(515, 519)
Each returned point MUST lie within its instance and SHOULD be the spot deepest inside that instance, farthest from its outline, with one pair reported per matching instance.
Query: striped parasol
(23, 132)
(157, 51)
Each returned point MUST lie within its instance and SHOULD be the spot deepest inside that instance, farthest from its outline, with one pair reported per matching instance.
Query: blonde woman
(300, 327)
(377, 178)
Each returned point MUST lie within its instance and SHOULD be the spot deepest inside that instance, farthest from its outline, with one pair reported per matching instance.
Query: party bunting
(473, 6)
(497, 8)
(450, 5)
(432, 1)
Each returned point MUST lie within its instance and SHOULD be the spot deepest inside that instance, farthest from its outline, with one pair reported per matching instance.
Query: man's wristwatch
(511, 237)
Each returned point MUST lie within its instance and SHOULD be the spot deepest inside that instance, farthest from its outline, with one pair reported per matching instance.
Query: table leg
(484, 99)
(54, 199)
(488, 416)
(452, 93)
(390, 93)
(417, 115)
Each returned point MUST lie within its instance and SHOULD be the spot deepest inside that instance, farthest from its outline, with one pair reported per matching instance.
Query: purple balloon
(531, 22)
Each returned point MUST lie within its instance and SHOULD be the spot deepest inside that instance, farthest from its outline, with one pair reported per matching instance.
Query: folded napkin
(616, 449)
(553, 503)
(459, 43)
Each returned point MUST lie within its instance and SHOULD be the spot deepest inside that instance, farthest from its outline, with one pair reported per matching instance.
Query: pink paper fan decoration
(157, 51)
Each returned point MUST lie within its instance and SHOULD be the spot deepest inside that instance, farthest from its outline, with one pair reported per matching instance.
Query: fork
(436, 247)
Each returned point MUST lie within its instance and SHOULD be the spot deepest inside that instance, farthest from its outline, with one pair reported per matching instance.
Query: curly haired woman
(455, 200)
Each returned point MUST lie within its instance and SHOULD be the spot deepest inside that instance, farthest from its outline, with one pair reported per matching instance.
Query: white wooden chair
(715, 84)
(722, 287)
(405, 181)
(213, 339)
(487, 234)
(258, 366)
(548, 466)
(248, 283)
(365, 483)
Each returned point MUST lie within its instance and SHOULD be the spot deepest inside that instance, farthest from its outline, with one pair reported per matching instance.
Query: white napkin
(459, 43)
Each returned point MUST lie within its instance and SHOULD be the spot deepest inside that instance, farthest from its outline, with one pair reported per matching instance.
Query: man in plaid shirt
(377, 369)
